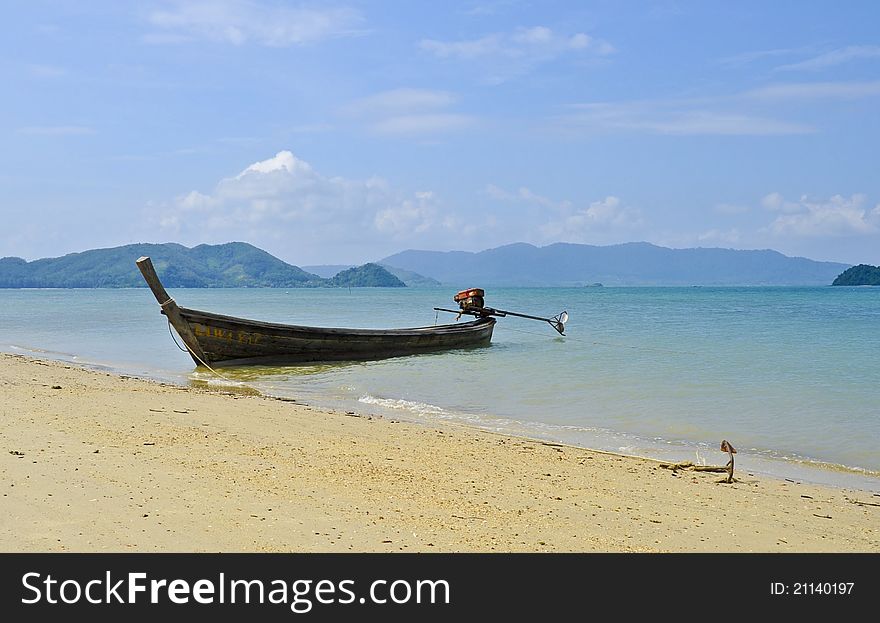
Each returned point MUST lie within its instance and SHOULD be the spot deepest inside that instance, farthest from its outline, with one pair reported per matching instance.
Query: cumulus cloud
(600, 221)
(609, 211)
(408, 216)
(546, 220)
(242, 21)
(837, 216)
(283, 200)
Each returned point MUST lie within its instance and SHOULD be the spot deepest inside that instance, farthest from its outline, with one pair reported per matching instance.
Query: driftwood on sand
(728, 469)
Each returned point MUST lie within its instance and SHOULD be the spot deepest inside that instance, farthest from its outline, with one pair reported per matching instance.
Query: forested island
(368, 275)
(231, 265)
(861, 275)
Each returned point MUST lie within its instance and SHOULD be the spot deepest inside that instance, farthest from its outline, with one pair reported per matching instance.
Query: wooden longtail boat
(216, 340)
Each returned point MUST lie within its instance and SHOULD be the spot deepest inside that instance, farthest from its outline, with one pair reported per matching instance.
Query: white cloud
(816, 90)
(610, 211)
(194, 201)
(836, 216)
(525, 195)
(606, 221)
(594, 223)
(718, 236)
(538, 41)
(754, 112)
(505, 55)
(284, 201)
(242, 21)
(749, 57)
(672, 117)
(466, 50)
(283, 161)
(411, 215)
(403, 100)
(834, 57)
(773, 201)
(580, 41)
(409, 112)
(498, 193)
(539, 35)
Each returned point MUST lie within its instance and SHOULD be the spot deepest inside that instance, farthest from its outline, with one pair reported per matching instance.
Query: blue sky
(344, 132)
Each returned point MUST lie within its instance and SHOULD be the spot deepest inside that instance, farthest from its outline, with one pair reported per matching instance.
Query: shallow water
(790, 376)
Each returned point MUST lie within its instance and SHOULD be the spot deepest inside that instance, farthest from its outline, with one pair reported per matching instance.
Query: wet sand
(91, 461)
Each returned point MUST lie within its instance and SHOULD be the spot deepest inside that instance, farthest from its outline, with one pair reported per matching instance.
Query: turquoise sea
(790, 376)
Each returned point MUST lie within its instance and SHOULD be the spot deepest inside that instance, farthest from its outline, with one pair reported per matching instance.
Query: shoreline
(791, 467)
(94, 461)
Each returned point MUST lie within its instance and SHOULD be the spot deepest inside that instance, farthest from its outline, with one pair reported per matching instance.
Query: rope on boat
(199, 359)
(174, 339)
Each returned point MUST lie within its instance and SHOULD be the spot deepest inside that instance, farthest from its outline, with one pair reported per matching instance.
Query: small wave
(420, 408)
(43, 351)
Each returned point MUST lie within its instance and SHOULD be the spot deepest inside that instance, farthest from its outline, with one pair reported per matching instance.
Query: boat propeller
(471, 302)
(558, 322)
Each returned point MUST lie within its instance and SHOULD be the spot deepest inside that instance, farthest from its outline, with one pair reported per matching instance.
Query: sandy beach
(97, 462)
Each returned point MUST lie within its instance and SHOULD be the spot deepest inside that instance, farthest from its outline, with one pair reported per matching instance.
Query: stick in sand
(726, 447)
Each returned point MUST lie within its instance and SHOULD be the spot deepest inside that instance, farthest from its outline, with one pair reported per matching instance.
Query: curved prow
(171, 310)
(145, 265)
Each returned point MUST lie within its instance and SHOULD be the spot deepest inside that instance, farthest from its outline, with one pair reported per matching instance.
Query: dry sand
(91, 461)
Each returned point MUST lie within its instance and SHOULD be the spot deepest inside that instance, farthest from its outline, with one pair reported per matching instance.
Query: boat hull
(226, 340)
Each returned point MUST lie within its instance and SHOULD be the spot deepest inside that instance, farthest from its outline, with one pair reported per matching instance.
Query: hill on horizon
(238, 264)
(410, 278)
(634, 263)
(861, 275)
(366, 275)
(230, 265)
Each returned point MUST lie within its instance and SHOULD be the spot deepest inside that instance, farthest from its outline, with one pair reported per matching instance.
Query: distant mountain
(238, 264)
(861, 275)
(366, 276)
(327, 271)
(411, 279)
(635, 263)
(235, 264)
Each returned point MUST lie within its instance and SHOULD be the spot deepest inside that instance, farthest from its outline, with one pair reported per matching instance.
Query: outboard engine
(472, 302)
(470, 299)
